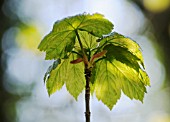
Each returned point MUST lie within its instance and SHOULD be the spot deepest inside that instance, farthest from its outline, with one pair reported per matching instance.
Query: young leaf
(61, 40)
(119, 70)
(58, 44)
(123, 55)
(112, 76)
(88, 40)
(124, 42)
(75, 79)
(131, 84)
(55, 79)
(70, 74)
(107, 87)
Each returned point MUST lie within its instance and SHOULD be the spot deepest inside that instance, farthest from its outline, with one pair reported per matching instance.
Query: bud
(98, 55)
(76, 61)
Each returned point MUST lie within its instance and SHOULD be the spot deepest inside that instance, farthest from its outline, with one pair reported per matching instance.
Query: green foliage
(61, 39)
(71, 75)
(85, 41)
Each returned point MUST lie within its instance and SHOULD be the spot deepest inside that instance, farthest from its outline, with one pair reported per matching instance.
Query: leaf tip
(49, 95)
(110, 108)
(75, 97)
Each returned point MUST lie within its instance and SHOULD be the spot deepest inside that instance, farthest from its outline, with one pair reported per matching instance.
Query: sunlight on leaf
(122, 55)
(85, 43)
(112, 76)
(70, 74)
(88, 40)
(107, 87)
(120, 70)
(62, 38)
(124, 42)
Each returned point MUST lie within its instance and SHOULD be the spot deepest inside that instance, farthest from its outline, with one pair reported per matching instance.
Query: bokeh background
(23, 96)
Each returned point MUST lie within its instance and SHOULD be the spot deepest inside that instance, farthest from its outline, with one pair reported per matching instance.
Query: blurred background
(23, 96)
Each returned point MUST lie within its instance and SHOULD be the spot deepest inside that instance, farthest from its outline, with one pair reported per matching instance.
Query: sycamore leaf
(131, 84)
(57, 45)
(107, 87)
(61, 39)
(144, 77)
(112, 76)
(119, 70)
(55, 80)
(123, 55)
(124, 42)
(88, 40)
(70, 74)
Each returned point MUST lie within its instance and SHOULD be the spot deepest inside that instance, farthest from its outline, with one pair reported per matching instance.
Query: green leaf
(88, 40)
(70, 74)
(112, 76)
(119, 71)
(123, 55)
(144, 77)
(55, 80)
(95, 24)
(58, 44)
(75, 82)
(131, 83)
(124, 42)
(107, 87)
(62, 39)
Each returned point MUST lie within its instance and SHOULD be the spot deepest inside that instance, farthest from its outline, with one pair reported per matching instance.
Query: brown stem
(87, 94)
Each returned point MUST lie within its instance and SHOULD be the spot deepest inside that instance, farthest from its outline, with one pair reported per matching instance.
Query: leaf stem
(76, 53)
(81, 45)
(85, 59)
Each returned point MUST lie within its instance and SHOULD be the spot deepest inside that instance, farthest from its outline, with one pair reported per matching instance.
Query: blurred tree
(7, 100)
(160, 22)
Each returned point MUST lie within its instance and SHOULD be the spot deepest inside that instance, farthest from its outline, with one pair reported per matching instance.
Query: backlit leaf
(112, 76)
(124, 42)
(62, 38)
(70, 74)
(58, 44)
(107, 87)
(119, 71)
(123, 55)
(86, 40)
